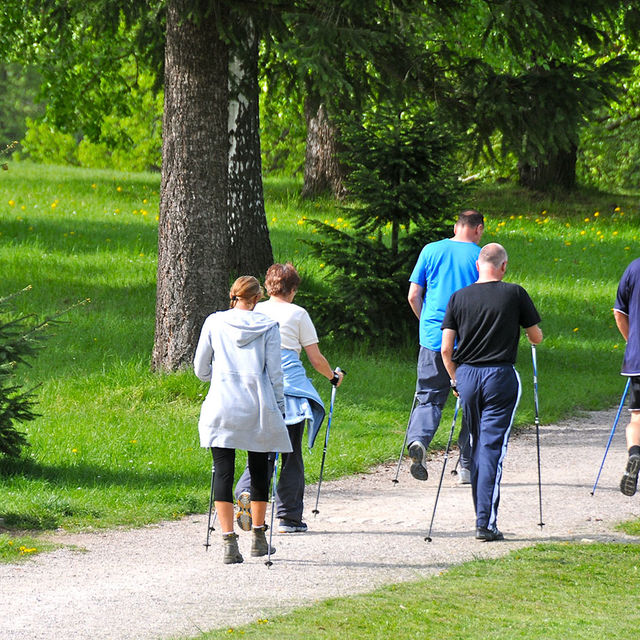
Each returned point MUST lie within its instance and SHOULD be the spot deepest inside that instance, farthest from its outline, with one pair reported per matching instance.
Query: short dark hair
(281, 279)
(470, 218)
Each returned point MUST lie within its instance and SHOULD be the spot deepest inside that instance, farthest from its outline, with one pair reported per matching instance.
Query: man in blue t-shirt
(627, 314)
(442, 268)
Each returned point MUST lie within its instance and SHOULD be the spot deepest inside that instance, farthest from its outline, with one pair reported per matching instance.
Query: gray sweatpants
(290, 487)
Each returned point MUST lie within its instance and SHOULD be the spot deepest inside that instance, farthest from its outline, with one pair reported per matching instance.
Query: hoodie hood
(243, 327)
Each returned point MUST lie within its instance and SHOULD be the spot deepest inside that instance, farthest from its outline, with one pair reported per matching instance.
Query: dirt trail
(158, 582)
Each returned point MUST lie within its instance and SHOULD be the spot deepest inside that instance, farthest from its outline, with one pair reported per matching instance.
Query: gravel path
(158, 582)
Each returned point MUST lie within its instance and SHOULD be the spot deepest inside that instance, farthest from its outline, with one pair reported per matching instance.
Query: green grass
(17, 549)
(547, 592)
(117, 444)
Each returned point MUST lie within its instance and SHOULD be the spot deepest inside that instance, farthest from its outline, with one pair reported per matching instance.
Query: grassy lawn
(547, 592)
(117, 445)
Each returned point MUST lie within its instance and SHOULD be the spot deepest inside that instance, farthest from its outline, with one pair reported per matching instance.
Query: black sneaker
(418, 455)
(488, 535)
(291, 526)
(629, 481)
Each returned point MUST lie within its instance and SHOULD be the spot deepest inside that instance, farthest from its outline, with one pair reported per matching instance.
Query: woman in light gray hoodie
(239, 353)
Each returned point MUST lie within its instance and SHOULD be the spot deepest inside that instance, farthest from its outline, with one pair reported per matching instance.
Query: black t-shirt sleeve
(528, 313)
(449, 322)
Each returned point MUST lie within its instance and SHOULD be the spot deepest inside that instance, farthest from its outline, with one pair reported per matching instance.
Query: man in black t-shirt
(485, 318)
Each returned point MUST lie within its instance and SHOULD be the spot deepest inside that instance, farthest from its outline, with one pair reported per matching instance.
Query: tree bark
(554, 170)
(249, 235)
(323, 173)
(193, 238)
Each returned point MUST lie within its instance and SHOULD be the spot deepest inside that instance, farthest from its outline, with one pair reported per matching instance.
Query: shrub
(17, 345)
(405, 188)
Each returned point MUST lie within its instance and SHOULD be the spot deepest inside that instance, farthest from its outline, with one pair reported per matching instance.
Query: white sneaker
(418, 455)
(243, 515)
(464, 476)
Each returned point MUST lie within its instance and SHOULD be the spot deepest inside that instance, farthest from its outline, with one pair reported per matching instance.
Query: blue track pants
(489, 395)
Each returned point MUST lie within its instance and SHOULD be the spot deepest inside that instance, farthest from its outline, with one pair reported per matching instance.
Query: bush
(17, 345)
(405, 189)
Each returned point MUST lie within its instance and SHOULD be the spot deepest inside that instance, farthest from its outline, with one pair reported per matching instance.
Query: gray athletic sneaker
(418, 455)
(629, 481)
(464, 476)
(291, 526)
(243, 516)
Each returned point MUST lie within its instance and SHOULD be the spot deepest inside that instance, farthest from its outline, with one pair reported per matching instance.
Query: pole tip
(268, 563)
(395, 481)
(427, 539)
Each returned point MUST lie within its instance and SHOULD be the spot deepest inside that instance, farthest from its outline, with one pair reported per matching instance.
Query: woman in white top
(302, 402)
(239, 353)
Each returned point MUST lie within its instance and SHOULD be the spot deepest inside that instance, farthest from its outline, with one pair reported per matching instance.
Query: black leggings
(224, 462)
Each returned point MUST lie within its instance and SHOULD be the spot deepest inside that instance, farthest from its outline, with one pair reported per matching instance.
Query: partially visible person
(627, 315)
(485, 318)
(302, 402)
(442, 268)
(239, 353)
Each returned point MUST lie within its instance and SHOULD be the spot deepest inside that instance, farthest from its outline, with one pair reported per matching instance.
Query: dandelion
(617, 209)
(567, 244)
(118, 189)
(12, 203)
(54, 204)
(274, 219)
(133, 441)
(93, 186)
(576, 329)
(145, 201)
(322, 265)
(74, 451)
(587, 219)
(596, 214)
(24, 550)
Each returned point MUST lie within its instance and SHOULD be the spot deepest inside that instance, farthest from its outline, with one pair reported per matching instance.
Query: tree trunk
(193, 239)
(555, 170)
(249, 235)
(323, 173)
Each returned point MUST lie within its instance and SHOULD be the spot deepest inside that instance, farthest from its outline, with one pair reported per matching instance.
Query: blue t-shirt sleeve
(622, 296)
(419, 273)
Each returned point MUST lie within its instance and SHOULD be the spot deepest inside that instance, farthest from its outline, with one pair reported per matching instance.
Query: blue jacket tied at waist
(301, 400)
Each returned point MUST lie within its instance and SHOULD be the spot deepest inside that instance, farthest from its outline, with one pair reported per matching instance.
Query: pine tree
(18, 344)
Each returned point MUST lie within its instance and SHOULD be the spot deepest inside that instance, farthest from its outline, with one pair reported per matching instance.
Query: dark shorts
(634, 394)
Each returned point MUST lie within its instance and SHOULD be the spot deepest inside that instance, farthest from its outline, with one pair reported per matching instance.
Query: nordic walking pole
(326, 442)
(613, 430)
(210, 524)
(444, 464)
(406, 435)
(273, 508)
(537, 423)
